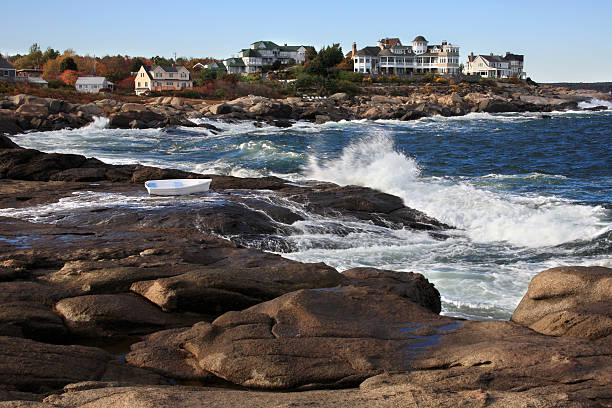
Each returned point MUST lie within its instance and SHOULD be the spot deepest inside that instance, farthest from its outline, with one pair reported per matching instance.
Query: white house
(158, 78)
(390, 57)
(263, 53)
(93, 84)
(495, 66)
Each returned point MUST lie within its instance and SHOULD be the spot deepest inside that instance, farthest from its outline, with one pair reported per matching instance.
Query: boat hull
(177, 186)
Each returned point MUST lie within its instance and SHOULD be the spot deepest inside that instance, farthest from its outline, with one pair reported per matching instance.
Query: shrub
(220, 93)
(440, 80)
(348, 87)
(190, 93)
(350, 76)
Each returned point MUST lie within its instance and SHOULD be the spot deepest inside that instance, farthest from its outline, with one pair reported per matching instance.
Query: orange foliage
(69, 77)
(127, 83)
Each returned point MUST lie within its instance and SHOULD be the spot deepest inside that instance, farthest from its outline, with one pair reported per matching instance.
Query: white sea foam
(484, 215)
(595, 102)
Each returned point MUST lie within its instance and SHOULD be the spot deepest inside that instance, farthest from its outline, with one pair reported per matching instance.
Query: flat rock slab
(31, 366)
(116, 314)
(569, 301)
(309, 338)
(220, 290)
(31, 320)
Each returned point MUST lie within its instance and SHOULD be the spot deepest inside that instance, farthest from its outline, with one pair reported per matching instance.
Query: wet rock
(6, 143)
(408, 285)
(320, 119)
(569, 301)
(413, 115)
(31, 366)
(214, 291)
(499, 106)
(278, 110)
(366, 204)
(110, 315)
(28, 164)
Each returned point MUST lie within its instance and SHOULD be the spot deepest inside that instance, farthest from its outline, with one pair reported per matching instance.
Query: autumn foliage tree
(69, 77)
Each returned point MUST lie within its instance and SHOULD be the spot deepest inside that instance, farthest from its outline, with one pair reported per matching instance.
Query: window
(139, 84)
(159, 84)
(169, 83)
(171, 75)
(146, 84)
(158, 75)
(183, 84)
(356, 60)
(183, 75)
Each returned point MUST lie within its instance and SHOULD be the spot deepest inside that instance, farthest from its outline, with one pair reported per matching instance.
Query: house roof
(168, 68)
(266, 44)
(92, 81)
(5, 64)
(37, 80)
(419, 38)
(515, 57)
(291, 47)
(493, 58)
(387, 53)
(235, 62)
(250, 53)
(368, 51)
(390, 42)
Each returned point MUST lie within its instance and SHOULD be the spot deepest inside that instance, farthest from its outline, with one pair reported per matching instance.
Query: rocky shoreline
(22, 113)
(148, 306)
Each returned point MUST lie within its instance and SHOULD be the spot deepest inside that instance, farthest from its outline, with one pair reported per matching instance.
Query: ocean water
(524, 193)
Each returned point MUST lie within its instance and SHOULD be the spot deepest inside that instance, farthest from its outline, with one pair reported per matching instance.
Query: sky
(563, 41)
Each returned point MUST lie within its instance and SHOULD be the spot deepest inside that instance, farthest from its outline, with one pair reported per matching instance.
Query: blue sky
(562, 40)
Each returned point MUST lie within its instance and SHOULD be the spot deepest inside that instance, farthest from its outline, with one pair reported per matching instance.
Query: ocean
(525, 193)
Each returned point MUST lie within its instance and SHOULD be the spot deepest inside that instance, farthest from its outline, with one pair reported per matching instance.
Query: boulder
(29, 109)
(27, 365)
(28, 164)
(6, 143)
(313, 337)
(569, 301)
(500, 106)
(273, 110)
(220, 109)
(31, 320)
(340, 96)
(408, 285)
(214, 291)
(91, 109)
(320, 119)
(111, 315)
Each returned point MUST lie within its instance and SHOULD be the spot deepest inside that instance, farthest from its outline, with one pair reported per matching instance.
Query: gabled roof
(250, 53)
(493, 58)
(235, 62)
(387, 53)
(368, 51)
(267, 44)
(167, 68)
(391, 42)
(91, 81)
(5, 64)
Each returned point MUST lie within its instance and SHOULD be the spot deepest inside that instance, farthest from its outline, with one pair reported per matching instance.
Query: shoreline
(21, 113)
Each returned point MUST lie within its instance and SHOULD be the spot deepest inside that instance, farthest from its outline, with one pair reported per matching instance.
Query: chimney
(507, 53)
(471, 56)
(491, 54)
(354, 49)
(285, 44)
(444, 43)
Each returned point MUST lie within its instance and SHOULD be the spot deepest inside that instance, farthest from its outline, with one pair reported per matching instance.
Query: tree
(325, 60)
(68, 63)
(49, 54)
(69, 77)
(136, 64)
(311, 53)
(34, 49)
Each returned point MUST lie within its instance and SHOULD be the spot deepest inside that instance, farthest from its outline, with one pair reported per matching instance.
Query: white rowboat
(177, 186)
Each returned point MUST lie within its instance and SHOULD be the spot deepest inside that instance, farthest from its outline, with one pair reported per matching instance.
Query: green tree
(68, 63)
(311, 53)
(136, 64)
(325, 60)
(49, 54)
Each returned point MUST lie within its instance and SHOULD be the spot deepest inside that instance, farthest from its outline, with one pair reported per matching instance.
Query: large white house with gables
(158, 78)
(391, 57)
(495, 66)
(263, 53)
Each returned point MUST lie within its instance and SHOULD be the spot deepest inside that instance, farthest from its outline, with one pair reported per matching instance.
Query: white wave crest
(484, 215)
(595, 102)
